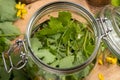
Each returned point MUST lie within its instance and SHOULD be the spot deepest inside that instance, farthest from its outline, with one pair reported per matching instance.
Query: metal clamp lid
(20, 46)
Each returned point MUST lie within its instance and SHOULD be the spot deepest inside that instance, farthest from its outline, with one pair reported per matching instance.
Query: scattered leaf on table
(7, 10)
(9, 30)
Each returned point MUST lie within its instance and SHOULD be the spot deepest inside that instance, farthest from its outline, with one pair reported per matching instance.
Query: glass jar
(105, 27)
(109, 18)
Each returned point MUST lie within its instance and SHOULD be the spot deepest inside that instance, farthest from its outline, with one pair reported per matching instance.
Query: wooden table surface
(110, 72)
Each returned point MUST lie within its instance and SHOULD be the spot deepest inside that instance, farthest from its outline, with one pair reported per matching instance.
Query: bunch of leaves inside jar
(63, 39)
(63, 42)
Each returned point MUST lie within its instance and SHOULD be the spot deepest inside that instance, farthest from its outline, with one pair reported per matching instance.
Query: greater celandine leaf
(7, 10)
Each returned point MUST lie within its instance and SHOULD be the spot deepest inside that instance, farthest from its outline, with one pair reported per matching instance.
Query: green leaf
(46, 55)
(82, 74)
(115, 2)
(4, 44)
(20, 75)
(3, 74)
(0, 32)
(32, 70)
(75, 45)
(50, 76)
(90, 48)
(54, 23)
(7, 10)
(9, 30)
(78, 26)
(67, 35)
(55, 63)
(71, 77)
(64, 17)
(66, 62)
(79, 58)
(54, 27)
(73, 32)
(35, 44)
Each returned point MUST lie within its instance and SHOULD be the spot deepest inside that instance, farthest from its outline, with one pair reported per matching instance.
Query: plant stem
(9, 35)
(84, 44)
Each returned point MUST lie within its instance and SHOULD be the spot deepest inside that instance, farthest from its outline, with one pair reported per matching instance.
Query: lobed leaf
(7, 10)
(9, 30)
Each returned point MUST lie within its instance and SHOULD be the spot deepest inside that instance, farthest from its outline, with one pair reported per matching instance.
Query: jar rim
(66, 70)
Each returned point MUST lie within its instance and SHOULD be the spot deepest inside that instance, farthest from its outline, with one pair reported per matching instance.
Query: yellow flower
(18, 6)
(24, 11)
(22, 6)
(100, 62)
(100, 76)
(19, 13)
(21, 10)
(111, 60)
(22, 16)
(114, 61)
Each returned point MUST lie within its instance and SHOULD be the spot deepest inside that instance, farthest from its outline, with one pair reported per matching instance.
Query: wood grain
(110, 72)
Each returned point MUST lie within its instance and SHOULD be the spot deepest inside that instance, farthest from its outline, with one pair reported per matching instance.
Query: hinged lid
(109, 22)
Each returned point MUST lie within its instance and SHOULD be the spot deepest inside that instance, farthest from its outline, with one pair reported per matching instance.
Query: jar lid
(110, 27)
